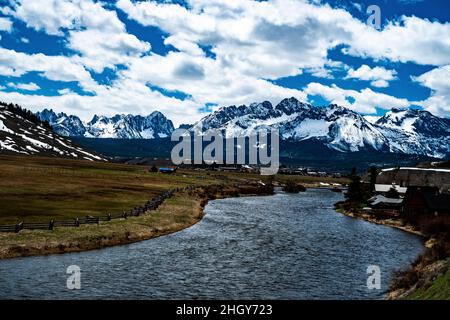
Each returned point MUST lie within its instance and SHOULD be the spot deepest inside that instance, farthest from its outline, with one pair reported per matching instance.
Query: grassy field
(176, 213)
(34, 189)
(39, 189)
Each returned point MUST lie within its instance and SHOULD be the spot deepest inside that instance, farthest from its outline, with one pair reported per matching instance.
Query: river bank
(286, 246)
(182, 210)
(427, 277)
(394, 223)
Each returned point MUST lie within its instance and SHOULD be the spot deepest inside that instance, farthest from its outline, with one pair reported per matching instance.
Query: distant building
(249, 169)
(168, 170)
(235, 169)
(384, 188)
(406, 177)
(381, 202)
(426, 201)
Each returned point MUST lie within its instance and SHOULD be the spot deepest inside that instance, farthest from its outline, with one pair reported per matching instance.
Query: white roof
(417, 169)
(387, 187)
(382, 199)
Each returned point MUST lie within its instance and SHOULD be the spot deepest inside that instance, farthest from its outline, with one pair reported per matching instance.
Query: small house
(426, 201)
(168, 170)
(382, 202)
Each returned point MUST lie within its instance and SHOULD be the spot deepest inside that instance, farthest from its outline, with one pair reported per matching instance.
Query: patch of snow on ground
(9, 145)
(3, 127)
(31, 149)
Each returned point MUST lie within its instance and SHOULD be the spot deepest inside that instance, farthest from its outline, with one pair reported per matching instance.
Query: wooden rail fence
(150, 205)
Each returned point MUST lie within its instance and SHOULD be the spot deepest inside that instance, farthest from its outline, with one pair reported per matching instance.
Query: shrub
(292, 187)
(434, 225)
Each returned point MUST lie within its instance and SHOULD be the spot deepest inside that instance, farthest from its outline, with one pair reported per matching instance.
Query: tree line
(25, 113)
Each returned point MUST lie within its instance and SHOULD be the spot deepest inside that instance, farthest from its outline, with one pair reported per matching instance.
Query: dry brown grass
(34, 189)
(174, 214)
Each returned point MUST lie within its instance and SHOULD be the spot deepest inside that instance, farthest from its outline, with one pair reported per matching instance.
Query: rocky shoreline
(394, 223)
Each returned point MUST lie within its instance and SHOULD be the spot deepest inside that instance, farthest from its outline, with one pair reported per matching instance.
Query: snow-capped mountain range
(155, 125)
(21, 134)
(406, 131)
(398, 131)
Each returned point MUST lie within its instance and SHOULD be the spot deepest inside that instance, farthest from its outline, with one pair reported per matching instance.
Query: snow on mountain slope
(20, 135)
(338, 128)
(155, 125)
(312, 128)
(62, 123)
(353, 133)
(416, 132)
(372, 119)
(399, 131)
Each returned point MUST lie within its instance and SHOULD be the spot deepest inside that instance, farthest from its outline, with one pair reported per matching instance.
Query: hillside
(21, 132)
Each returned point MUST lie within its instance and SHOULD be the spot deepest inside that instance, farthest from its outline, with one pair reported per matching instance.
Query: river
(286, 246)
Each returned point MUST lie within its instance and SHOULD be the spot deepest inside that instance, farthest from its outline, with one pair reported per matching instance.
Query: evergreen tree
(373, 177)
(355, 192)
(393, 193)
(24, 113)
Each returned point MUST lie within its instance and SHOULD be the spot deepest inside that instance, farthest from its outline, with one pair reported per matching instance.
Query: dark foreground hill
(21, 132)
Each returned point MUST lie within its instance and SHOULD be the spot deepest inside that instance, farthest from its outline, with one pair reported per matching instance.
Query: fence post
(51, 225)
(19, 227)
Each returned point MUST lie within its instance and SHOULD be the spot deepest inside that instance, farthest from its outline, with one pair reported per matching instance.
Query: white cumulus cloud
(5, 24)
(365, 101)
(379, 76)
(438, 80)
(24, 86)
(253, 43)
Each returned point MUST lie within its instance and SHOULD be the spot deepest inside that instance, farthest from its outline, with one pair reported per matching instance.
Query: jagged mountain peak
(49, 115)
(414, 120)
(155, 114)
(404, 131)
(292, 105)
(400, 114)
(409, 131)
(123, 126)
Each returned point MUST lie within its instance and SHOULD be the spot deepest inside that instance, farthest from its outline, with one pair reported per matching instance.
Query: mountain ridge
(121, 126)
(407, 131)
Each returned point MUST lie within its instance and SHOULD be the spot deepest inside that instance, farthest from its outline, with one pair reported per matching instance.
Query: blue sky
(186, 58)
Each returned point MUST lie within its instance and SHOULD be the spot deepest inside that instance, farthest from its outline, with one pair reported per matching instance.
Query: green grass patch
(439, 290)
